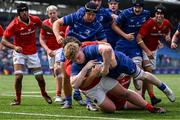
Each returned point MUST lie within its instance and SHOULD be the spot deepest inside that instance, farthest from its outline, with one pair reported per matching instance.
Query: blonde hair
(51, 7)
(70, 50)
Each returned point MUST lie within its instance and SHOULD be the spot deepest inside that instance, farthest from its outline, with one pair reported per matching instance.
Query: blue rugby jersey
(178, 27)
(124, 63)
(130, 23)
(82, 30)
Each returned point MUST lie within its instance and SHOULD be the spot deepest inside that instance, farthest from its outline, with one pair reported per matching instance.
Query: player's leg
(142, 75)
(33, 62)
(149, 65)
(59, 78)
(135, 99)
(67, 86)
(18, 61)
(18, 71)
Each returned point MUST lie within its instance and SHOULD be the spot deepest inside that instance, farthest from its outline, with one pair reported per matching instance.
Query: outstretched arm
(56, 25)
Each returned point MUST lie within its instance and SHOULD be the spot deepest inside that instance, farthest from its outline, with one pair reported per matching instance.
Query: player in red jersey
(23, 29)
(53, 49)
(148, 39)
(1, 34)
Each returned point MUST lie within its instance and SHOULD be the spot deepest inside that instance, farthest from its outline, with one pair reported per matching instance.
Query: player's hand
(173, 45)
(59, 39)
(50, 53)
(90, 64)
(150, 55)
(18, 49)
(129, 36)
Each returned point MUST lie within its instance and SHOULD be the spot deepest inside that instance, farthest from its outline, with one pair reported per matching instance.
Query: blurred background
(168, 60)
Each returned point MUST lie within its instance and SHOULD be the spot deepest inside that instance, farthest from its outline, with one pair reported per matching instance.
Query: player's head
(52, 12)
(138, 2)
(90, 11)
(97, 2)
(159, 11)
(113, 5)
(72, 50)
(22, 10)
(138, 6)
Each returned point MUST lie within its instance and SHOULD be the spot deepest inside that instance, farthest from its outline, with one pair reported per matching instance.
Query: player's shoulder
(166, 21)
(34, 18)
(46, 21)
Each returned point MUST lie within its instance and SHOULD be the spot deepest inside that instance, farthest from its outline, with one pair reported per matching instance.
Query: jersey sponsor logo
(27, 33)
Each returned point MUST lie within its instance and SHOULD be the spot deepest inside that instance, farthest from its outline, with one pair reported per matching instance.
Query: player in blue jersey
(83, 25)
(113, 8)
(105, 17)
(114, 63)
(127, 26)
(175, 38)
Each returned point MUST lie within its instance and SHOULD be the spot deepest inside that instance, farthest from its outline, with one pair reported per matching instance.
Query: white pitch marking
(64, 116)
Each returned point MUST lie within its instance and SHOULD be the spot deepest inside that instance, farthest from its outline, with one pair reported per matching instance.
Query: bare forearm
(7, 44)
(116, 28)
(141, 43)
(76, 81)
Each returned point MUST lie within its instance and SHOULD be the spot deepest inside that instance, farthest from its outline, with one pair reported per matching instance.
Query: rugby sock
(58, 93)
(68, 99)
(151, 94)
(88, 100)
(162, 86)
(149, 107)
(77, 94)
(18, 87)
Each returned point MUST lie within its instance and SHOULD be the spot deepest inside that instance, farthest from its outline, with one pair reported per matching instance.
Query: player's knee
(18, 77)
(148, 69)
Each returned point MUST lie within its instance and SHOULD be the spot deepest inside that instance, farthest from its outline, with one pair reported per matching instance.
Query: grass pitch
(33, 105)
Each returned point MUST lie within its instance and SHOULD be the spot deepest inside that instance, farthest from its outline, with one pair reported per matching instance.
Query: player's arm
(108, 56)
(8, 44)
(46, 28)
(175, 39)
(56, 25)
(120, 32)
(141, 43)
(77, 80)
(42, 39)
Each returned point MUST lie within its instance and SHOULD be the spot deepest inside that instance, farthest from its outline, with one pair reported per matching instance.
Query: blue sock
(77, 94)
(68, 99)
(88, 100)
(162, 87)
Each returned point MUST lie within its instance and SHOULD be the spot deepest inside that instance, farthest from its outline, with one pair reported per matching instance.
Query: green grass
(36, 108)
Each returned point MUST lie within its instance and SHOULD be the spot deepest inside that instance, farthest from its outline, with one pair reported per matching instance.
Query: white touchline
(64, 116)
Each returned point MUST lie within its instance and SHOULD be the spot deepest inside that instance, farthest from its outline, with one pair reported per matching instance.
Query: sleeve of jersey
(100, 34)
(75, 69)
(91, 51)
(108, 15)
(1, 31)
(62, 57)
(38, 21)
(10, 30)
(120, 19)
(69, 19)
(144, 29)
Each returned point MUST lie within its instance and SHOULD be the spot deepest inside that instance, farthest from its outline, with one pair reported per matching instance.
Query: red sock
(149, 107)
(58, 93)
(151, 94)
